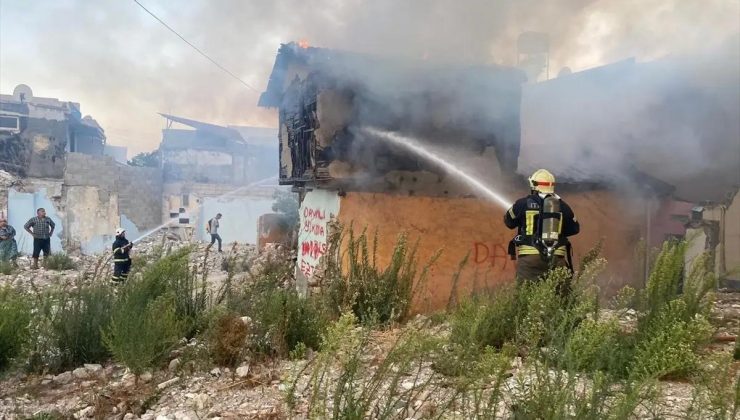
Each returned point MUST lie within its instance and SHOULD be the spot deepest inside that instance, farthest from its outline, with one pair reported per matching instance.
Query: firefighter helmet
(542, 181)
(119, 231)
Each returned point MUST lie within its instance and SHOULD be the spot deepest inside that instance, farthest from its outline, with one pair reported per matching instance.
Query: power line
(196, 48)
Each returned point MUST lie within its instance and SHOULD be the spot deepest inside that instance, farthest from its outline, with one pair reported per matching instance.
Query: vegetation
(286, 203)
(72, 321)
(59, 262)
(15, 315)
(375, 295)
(537, 350)
(146, 159)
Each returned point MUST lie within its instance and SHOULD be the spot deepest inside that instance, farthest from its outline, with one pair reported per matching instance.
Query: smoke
(123, 67)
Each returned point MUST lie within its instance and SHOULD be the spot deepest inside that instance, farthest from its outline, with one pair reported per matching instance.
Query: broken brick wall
(37, 151)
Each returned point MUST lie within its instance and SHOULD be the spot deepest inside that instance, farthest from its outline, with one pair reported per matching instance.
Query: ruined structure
(469, 116)
(209, 169)
(35, 133)
(52, 157)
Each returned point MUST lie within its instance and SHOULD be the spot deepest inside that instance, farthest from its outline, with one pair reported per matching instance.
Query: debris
(167, 383)
(242, 371)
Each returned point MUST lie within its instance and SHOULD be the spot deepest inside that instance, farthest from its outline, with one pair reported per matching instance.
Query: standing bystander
(41, 228)
(8, 246)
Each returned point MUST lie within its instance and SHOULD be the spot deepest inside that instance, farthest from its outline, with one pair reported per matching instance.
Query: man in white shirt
(212, 229)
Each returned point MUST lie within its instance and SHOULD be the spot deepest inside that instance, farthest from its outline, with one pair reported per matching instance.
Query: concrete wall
(22, 206)
(470, 226)
(101, 194)
(140, 195)
(317, 209)
(241, 208)
(729, 248)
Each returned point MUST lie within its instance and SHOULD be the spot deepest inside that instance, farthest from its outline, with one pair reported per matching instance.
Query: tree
(150, 159)
(286, 203)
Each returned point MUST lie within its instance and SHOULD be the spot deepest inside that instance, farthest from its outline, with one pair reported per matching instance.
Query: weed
(228, 340)
(715, 396)
(375, 295)
(59, 262)
(15, 316)
(7, 267)
(76, 320)
(144, 327)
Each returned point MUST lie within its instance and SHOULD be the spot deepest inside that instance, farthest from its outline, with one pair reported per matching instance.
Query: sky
(124, 67)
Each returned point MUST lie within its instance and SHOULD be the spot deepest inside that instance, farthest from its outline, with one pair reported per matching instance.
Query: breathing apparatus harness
(542, 230)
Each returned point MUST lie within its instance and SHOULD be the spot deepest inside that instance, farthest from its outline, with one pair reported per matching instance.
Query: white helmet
(542, 181)
(120, 231)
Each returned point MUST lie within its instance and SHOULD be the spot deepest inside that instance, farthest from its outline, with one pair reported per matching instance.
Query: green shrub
(172, 275)
(666, 345)
(375, 295)
(284, 320)
(717, 389)
(59, 262)
(15, 316)
(7, 267)
(597, 346)
(76, 321)
(144, 326)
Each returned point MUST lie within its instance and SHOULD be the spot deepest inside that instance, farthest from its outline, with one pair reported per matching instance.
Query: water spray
(418, 148)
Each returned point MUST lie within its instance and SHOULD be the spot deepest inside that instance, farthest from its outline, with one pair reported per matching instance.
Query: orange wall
(460, 226)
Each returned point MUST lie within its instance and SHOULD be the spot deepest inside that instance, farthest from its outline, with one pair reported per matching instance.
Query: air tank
(551, 220)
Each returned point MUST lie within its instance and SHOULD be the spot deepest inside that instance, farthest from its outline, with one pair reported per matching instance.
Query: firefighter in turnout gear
(543, 222)
(121, 258)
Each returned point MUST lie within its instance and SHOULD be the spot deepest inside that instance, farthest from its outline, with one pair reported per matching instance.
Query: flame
(303, 43)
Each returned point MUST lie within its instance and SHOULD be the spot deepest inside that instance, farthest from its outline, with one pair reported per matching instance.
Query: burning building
(470, 116)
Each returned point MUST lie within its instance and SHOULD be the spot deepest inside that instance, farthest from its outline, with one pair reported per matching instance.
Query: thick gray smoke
(124, 67)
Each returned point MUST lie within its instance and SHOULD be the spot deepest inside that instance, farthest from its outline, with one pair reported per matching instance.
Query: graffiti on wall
(491, 254)
(317, 209)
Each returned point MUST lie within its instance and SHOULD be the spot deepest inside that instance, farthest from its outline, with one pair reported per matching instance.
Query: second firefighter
(121, 258)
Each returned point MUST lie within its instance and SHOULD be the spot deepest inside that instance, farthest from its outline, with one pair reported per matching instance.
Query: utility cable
(196, 48)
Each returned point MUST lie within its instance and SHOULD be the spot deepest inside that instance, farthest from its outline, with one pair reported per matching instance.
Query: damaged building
(52, 157)
(209, 169)
(468, 115)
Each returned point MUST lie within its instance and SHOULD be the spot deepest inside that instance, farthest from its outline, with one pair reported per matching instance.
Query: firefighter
(543, 222)
(121, 258)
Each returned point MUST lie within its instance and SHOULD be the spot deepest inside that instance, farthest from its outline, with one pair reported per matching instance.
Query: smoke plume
(123, 66)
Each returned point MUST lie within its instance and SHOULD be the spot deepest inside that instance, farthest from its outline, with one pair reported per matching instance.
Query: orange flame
(303, 43)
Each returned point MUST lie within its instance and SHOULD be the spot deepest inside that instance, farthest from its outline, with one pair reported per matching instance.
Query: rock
(216, 371)
(63, 378)
(201, 401)
(146, 377)
(85, 412)
(161, 417)
(242, 371)
(87, 384)
(93, 368)
(81, 373)
(46, 382)
(247, 320)
(165, 384)
(174, 365)
(129, 416)
(407, 385)
(147, 416)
